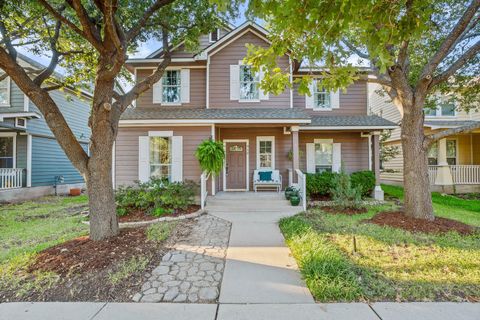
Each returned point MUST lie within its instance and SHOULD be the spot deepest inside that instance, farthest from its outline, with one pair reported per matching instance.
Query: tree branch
(137, 27)
(111, 26)
(57, 15)
(382, 81)
(91, 33)
(451, 39)
(469, 54)
(443, 134)
(48, 71)
(356, 50)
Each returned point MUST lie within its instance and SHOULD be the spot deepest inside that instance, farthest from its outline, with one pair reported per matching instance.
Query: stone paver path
(192, 271)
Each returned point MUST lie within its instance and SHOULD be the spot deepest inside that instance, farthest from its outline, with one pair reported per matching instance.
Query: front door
(236, 166)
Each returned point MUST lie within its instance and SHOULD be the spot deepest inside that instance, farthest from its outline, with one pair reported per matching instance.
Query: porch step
(247, 202)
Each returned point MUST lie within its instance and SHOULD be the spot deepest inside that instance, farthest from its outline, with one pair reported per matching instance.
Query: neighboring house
(454, 162)
(213, 94)
(31, 160)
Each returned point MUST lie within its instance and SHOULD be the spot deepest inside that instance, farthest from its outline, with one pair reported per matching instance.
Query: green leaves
(210, 155)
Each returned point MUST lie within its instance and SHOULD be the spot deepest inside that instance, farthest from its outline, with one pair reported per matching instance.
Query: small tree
(344, 195)
(91, 41)
(387, 152)
(211, 155)
(415, 48)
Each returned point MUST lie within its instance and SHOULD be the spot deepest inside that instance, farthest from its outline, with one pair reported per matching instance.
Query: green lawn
(31, 226)
(389, 265)
(446, 206)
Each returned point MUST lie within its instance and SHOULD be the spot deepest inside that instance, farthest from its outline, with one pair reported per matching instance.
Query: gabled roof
(446, 124)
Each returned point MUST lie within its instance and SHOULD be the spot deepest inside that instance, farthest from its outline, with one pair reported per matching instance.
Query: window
(321, 97)
(323, 157)
(249, 82)
(265, 152)
(214, 35)
(5, 92)
(451, 153)
(445, 109)
(171, 86)
(20, 122)
(6, 152)
(160, 157)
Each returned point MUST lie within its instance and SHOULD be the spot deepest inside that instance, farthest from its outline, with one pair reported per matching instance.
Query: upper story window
(249, 83)
(160, 158)
(321, 97)
(445, 109)
(171, 86)
(5, 92)
(214, 35)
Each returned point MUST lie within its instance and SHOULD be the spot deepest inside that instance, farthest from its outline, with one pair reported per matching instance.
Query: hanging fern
(211, 155)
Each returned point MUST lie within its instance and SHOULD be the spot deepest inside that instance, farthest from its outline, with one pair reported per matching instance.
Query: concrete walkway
(259, 267)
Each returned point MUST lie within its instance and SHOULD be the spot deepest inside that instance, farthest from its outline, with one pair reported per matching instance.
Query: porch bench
(275, 182)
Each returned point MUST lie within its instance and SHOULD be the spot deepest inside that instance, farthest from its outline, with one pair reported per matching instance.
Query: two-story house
(32, 163)
(454, 162)
(213, 94)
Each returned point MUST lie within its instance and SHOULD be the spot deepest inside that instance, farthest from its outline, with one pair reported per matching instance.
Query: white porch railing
(302, 184)
(203, 190)
(10, 178)
(461, 174)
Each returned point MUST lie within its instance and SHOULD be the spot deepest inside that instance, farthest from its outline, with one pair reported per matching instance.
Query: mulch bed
(136, 215)
(348, 211)
(83, 266)
(398, 219)
(316, 197)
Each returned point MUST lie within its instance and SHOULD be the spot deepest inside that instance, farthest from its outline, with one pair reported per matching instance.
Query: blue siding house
(31, 160)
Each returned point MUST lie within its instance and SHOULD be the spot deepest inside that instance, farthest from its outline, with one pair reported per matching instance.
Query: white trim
(8, 134)
(19, 126)
(210, 36)
(207, 96)
(346, 127)
(322, 141)
(160, 134)
(29, 160)
(113, 164)
(272, 140)
(291, 81)
(247, 155)
(19, 114)
(370, 163)
(172, 67)
(213, 177)
(160, 60)
(26, 103)
(9, 98)
(233, 121)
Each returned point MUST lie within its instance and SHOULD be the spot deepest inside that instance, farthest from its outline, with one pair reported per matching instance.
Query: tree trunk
(417, 197)
(103, 216)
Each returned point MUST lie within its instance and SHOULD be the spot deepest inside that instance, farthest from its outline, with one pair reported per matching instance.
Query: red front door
(236, 166)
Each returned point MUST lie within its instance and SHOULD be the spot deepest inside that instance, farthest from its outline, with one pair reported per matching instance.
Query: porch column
(377, 192)
(444, 175)
(295, 151)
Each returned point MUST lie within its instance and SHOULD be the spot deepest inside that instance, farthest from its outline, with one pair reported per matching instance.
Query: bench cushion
(265, 175)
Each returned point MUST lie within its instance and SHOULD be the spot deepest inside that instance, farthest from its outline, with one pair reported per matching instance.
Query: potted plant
(295, 198)
(288, 192)
(210, 154)
(75, 192)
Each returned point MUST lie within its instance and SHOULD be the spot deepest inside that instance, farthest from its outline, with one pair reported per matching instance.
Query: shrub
(364, 181)
(157, 196)
(319, 184)
(344, 195)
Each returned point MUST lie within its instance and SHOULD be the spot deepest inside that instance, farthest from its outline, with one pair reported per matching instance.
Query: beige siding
(126, 151)
(395, 165)
(354, 148)
(197, 90)
(380, 104)
(220, 75)
(283, 144)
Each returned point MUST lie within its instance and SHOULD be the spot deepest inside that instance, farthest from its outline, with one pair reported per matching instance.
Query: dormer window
(214, 35)
(321, 97)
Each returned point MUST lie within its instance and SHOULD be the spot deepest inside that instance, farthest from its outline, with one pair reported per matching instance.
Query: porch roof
(349, 122)
(215, 115)
(440, 124)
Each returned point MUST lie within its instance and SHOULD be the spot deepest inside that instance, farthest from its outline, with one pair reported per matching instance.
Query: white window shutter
(309, 100)
(143, 159)
(337, 157)
(262, 95)
(177, 158)
(310, 157)
(234, 82)
(157, 91)
(185, 85)
(335, 99)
